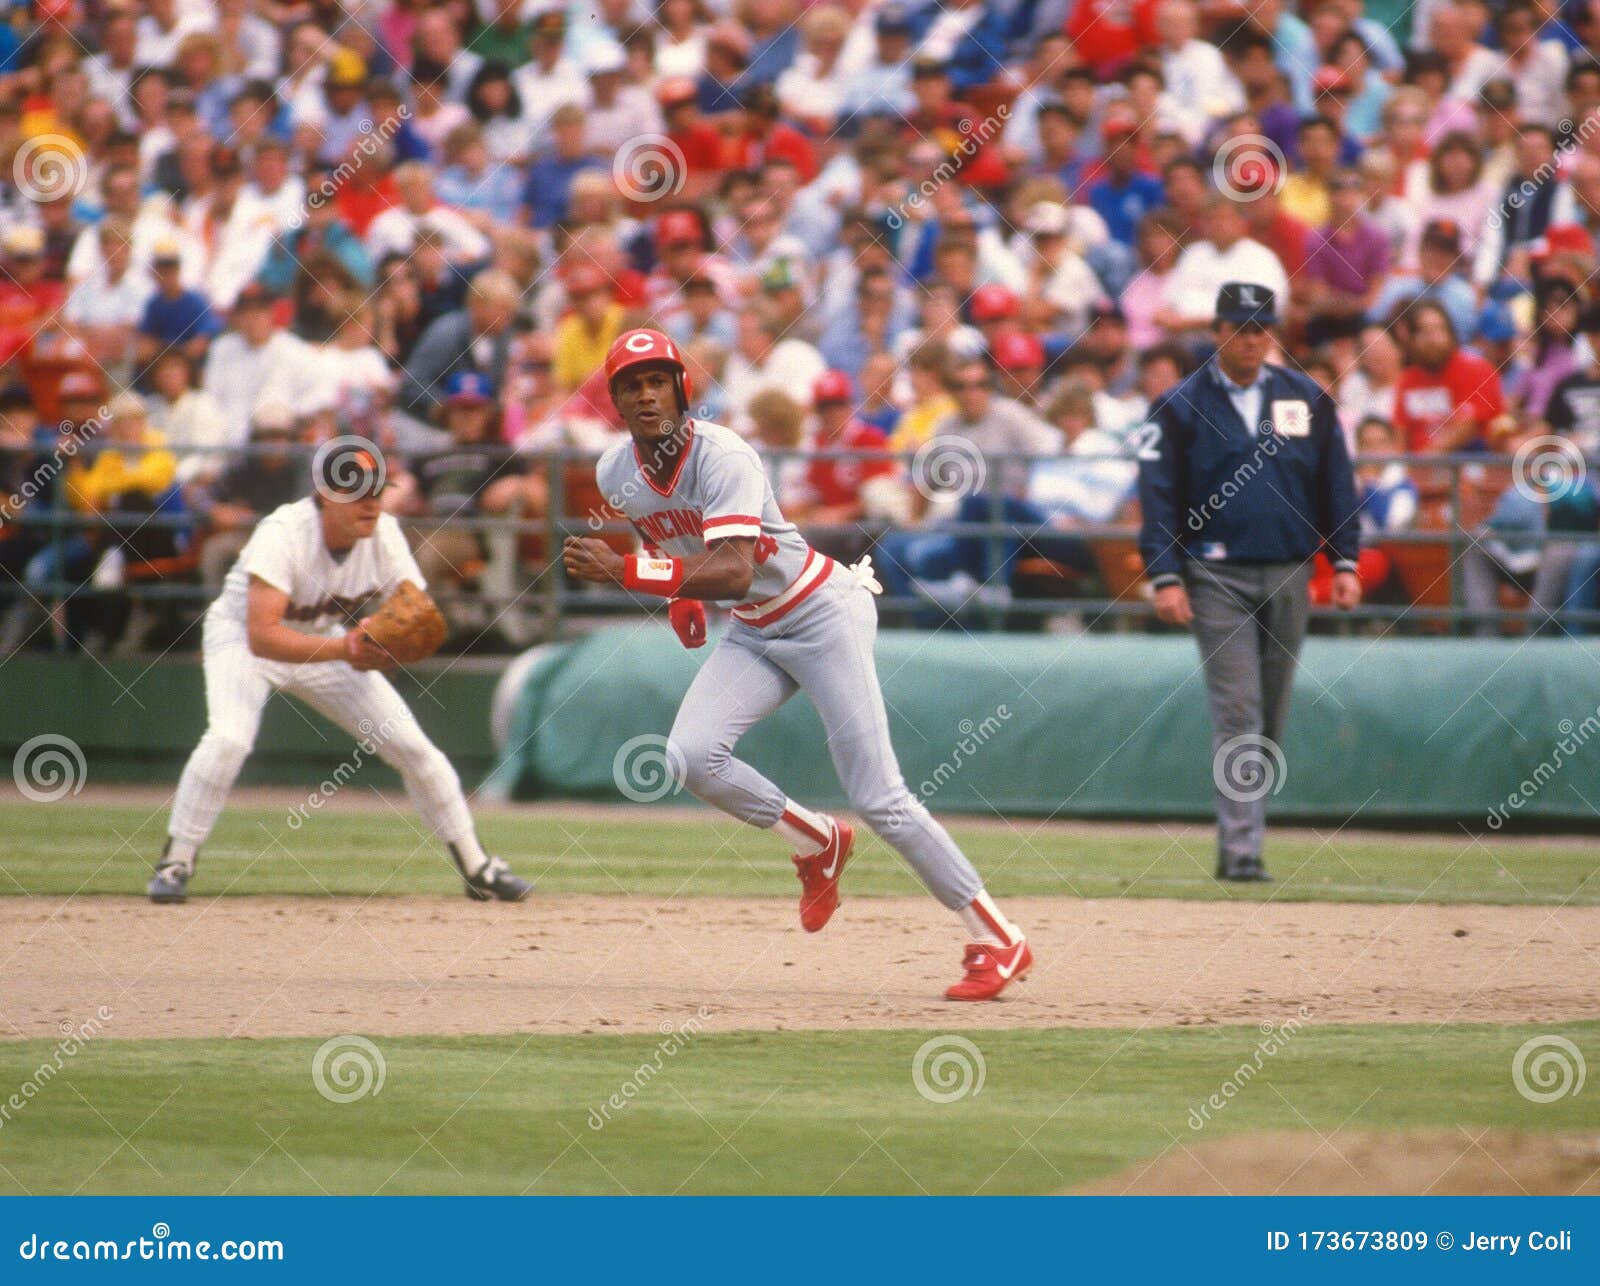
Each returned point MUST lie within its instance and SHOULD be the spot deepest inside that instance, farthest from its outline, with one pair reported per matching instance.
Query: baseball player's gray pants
(825, 648)
(1249, 619)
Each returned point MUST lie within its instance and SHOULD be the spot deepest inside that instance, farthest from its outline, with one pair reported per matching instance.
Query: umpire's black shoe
(495, 882)
(1243, 870)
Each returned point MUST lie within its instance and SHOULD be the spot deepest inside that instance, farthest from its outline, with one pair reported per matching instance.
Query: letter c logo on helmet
(635, 348)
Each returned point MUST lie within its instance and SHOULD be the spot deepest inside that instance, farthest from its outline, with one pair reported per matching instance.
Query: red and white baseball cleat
(990, 969)
(819, 877)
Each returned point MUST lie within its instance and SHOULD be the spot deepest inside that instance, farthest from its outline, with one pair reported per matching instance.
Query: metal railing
(532, 598)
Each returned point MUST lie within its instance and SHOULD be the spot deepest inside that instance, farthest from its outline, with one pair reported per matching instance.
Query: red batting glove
(688, 617)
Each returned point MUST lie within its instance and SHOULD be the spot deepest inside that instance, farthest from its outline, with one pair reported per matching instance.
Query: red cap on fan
(1015, 349)
(993, 302)
(636, 347)
(678, 227)
(832, 386)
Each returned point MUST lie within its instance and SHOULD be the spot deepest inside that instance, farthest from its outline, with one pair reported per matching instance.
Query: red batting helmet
(831, 386)
(636, 347)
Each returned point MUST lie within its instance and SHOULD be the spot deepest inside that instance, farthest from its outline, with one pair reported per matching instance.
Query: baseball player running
(283, 621)
(698, 495)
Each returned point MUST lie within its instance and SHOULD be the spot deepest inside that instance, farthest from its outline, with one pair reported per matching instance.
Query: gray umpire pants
(1249, 620)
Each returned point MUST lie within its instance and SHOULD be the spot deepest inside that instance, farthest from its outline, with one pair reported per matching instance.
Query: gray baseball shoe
(494, 882)
(170, 883)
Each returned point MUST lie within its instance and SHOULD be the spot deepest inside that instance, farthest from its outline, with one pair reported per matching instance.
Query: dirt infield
(1370, 1162)
(269, 966)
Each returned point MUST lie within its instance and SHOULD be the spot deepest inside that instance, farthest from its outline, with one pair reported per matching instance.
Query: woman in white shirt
(813, 89)
(355, 373)
(497, 107)
(1453, 191)
(681, 42)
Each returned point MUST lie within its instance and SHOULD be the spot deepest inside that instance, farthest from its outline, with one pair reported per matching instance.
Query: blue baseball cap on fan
(468, 388)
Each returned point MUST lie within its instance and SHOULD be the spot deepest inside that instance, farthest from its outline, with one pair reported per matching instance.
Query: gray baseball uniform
(810, 624)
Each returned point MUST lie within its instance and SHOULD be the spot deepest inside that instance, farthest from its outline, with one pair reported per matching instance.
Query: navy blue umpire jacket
(1214, 488)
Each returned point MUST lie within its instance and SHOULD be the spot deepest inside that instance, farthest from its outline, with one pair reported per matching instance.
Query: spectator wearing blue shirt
(548, 190)
(775, 42)
(1438, 278)
(1125, 195)
(969, 36)
(175, 317)
(469, 182)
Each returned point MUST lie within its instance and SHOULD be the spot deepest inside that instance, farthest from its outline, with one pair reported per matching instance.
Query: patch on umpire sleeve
(1292, 419)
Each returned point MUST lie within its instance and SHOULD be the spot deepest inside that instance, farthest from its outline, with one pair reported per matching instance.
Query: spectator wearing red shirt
(700, 143)
(1108, 33)
(953, 125)
(1446, 395)
(28, 300)
(761, 136)
(1274, 227)
(836, 490)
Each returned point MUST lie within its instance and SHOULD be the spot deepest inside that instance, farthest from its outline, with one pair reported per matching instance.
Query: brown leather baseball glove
(409, 626)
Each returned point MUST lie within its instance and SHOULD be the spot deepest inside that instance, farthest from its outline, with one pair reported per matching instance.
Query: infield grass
(739, 1113)
(71, 847)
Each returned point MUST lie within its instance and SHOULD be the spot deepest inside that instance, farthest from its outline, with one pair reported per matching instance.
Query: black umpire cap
(1246, 301)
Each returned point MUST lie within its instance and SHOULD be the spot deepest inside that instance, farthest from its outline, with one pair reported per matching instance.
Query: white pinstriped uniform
(326, 596)
(810, 624)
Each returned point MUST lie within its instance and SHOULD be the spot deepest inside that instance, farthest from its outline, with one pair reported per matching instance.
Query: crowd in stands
(233, 229)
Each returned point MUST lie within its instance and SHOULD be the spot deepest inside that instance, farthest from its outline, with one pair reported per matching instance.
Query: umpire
(1244, 478)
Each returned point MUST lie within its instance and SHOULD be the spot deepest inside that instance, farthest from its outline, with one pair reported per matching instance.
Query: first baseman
(698, 496)
(284, 621)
